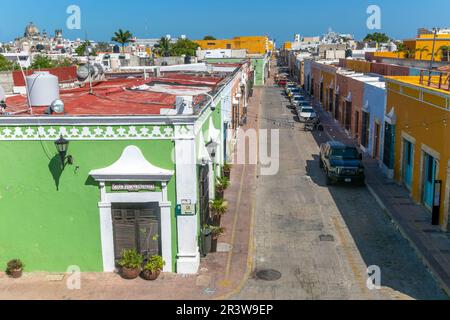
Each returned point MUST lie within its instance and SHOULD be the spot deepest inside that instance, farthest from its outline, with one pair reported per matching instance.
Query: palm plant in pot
(14, 268)
(223, 183)
(227, 170)
(131, 264)
(153, 268)
(218, 208)
(216, 233)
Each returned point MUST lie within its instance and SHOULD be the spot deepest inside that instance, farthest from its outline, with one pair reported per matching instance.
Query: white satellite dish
(57, 106)
(2, 94)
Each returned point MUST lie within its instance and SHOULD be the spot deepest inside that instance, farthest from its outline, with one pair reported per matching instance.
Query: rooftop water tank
(43, 88)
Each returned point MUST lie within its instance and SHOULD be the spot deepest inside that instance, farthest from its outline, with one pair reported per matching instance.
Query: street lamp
(62, 145)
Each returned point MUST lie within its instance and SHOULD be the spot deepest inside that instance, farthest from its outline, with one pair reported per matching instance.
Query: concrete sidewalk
(221, 274)
(414, 221)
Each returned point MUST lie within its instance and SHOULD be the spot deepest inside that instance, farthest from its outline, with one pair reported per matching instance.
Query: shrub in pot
(227, 170)
(153, 268)
(131, 264)
(14, 268)
(216, 232)
(218, 208)
(223, 183)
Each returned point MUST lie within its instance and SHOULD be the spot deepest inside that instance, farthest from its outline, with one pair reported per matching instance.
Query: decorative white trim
(87, 133)
(132, 166)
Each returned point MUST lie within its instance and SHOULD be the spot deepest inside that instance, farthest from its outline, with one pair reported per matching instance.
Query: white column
(107, 238)
(188, 259)
(166, 229)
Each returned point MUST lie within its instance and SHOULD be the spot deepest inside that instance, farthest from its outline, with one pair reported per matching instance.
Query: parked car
(342, 163)
(296, 99)
(306, 113)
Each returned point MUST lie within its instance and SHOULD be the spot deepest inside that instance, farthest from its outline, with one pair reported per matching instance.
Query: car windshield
(299, 98)
(344, 153)
(307, 110)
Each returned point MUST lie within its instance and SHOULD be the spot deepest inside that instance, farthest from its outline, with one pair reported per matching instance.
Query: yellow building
(254, 45)
(422, 48)
(421, 147)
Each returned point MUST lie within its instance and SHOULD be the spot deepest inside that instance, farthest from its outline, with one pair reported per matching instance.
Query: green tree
(123, 38)
(377, 37)
(42, 62)
(184, 47)
(421, 51)
(163, 47)
(400, 48)
(445, 50)
(81, 50)
(6, 65)
(209, 38)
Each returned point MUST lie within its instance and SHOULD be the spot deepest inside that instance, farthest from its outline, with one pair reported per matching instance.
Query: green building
(130, 178)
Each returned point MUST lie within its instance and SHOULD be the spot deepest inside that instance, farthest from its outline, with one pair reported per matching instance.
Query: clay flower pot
(150, 276)
(129, 273)
(15, 274)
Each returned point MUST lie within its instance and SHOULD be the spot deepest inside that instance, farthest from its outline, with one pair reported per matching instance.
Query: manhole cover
(326, 238)
(268, 275)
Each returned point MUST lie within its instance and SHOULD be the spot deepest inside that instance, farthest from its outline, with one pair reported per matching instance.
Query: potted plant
(218, 208)
(153, 268)
(222, 184)
(216, 232)
(206, 240)
(14, 268)
(227, 170)
(131, 264)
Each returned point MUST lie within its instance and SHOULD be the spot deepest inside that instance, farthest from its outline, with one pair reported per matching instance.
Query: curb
(422, 257)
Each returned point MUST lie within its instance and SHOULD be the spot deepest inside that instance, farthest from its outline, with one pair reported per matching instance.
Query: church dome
(31, 30)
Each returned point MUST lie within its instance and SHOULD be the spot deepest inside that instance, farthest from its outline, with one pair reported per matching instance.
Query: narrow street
(320, 238)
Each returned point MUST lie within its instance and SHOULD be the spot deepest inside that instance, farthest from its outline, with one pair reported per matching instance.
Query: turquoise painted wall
(49, 218)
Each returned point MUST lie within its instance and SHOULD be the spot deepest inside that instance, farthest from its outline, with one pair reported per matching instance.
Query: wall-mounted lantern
(62, 145)
(211, 147)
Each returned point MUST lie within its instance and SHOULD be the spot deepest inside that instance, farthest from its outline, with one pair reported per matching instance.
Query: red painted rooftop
(121, 97)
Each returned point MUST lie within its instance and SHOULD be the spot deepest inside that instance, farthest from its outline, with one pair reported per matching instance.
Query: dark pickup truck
(342, 163)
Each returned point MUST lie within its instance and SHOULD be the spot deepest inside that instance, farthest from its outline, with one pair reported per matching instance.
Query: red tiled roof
(64, 74)
(116, 97)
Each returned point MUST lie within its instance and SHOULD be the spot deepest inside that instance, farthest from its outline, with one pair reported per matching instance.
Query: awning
(132, 166)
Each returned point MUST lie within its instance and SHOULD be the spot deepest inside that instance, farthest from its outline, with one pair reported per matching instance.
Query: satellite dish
(57, 106)
(2, 94)
(83, 72)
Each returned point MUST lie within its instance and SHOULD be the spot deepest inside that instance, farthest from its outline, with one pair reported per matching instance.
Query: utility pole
(435, 30)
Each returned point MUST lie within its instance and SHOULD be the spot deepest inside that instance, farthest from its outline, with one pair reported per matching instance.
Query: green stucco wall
(259, 65)
(49, 218)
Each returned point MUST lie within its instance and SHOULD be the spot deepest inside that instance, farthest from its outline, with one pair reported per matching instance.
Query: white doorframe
(106, 222)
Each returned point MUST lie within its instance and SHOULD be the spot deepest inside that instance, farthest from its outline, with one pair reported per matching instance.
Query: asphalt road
(320, 238)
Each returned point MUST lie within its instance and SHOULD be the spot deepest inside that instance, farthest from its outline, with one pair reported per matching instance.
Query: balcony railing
(435, 79)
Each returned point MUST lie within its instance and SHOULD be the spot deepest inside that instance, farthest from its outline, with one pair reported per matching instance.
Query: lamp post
(62, 146)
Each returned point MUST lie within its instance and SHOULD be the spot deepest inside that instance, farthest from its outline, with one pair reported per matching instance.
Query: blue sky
(280, 19)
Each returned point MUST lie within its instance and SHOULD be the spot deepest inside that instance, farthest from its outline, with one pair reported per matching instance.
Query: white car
(306, 113)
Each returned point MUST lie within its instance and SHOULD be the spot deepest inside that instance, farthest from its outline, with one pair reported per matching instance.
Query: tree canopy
(184, 47)
(123, 38)
(377, 37)
(42, 62)
(81, 50)
(209, 38)
(6, 65)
